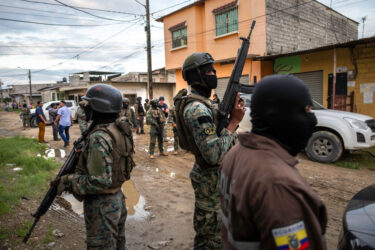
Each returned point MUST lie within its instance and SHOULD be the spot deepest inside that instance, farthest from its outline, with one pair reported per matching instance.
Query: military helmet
(125, 100)
(104, 98)
(194, 61)
(154, 101)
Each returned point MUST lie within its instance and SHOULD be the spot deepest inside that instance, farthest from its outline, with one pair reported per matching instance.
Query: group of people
(248, 193)
(60, 119)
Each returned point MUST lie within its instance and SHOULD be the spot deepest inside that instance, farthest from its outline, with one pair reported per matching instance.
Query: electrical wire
(57, 24)
(85, 8)
(86, 12)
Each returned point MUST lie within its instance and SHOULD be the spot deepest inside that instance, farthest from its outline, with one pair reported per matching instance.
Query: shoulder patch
(204, 119)
(210, 131)
(292, 237)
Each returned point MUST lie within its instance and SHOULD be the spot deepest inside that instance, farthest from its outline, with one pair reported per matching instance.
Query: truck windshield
(317, 106)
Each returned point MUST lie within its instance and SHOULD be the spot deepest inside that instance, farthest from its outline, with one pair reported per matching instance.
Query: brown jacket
(265, 202)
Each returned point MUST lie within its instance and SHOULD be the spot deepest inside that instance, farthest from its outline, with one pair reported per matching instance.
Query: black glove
(60, 183)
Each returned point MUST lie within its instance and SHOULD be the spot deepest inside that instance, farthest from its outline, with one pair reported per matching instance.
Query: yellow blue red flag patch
(292, 237)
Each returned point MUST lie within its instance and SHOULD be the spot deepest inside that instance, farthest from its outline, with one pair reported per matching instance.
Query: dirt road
(160, 197)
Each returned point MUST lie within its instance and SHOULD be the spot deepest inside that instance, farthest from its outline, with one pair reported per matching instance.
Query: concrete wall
(306, 26)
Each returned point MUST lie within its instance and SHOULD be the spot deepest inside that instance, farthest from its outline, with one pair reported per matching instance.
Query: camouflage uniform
(146, 106)
(204, 178)
(25, 117)
(172, 119)
(129, 113)
(81, 116)
(156, 128)
(105, 213)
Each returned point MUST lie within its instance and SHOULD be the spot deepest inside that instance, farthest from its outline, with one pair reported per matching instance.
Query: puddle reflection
(170, 174)
(135, 202)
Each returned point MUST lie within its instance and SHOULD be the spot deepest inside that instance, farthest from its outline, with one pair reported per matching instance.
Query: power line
(170, 7)
(27, 14)
(85, 8)
(57, 24)
(86, 12)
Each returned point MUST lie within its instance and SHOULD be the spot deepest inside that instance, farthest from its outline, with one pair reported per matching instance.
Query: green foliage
(357, 160)
(31, 180)
(22, 231)
(49, 235)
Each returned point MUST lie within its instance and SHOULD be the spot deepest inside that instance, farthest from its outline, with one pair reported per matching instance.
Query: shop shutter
(222, 84)
(313, 80)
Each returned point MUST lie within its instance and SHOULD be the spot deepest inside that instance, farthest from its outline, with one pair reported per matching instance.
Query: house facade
(353, 63)
(282, 26)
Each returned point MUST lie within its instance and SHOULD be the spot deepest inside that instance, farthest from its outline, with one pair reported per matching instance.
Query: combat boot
(164, 154)
(175, 152)
(152, 156)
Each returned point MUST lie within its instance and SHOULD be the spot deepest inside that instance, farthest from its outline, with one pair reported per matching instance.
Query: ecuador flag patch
(292, 237)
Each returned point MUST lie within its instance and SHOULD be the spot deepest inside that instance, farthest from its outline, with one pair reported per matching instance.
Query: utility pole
(363, 25)
(149, 60)
(30, 87)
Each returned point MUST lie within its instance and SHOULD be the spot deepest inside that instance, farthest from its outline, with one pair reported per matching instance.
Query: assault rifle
(68, 167)
(234, 85)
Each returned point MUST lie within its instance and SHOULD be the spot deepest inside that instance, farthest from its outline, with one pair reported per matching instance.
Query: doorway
(341, 91)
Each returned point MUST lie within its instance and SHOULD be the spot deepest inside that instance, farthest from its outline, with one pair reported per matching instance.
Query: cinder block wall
(304, 24)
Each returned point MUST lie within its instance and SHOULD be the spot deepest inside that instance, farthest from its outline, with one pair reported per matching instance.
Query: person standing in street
(66, 121)
(81, 117)
(25, 111)
(41, 121)
(128, 112)
(156, 119)
(172, 119)
(104, 164)
(140, 115)
(196, 127)
(146, 105)
(164, 107)
(52, 111)
(265, 202)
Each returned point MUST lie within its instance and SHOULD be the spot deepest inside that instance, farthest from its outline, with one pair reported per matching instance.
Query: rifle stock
(67, 168)
(234, 85)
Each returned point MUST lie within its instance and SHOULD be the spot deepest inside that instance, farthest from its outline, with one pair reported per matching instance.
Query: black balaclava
(201, 82)
(125, 105)
(103, 118)
(278, 111)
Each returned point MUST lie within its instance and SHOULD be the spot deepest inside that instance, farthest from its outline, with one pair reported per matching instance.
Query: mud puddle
(135, 203)
(170, 174)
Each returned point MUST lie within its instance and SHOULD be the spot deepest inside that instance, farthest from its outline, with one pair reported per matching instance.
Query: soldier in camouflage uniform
(25, 111)
(128, 112)
(99, 176)
(208, 147)
(81, 117)
(172, 119)
(146, 105)
(156, 119)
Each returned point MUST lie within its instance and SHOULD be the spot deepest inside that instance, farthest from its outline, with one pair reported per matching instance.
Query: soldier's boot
(152, 156)
(175, 152)
(164, 154)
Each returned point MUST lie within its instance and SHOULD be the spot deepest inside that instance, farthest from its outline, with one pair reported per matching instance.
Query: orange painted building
(215, 26)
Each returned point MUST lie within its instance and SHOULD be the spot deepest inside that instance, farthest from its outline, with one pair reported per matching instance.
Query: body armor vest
(123, 150)
(185, 136)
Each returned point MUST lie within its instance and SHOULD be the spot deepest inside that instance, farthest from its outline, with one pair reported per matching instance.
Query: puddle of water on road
(53, 153)
(170, 174)
(135, 202)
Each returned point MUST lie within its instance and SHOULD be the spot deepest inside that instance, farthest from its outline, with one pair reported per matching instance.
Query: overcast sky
(110, 40)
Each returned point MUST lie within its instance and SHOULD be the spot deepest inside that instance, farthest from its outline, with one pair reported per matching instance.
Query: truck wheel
(33, 123)
(324, 146)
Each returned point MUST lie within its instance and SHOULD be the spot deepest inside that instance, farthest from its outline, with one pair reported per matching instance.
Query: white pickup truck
(69, 103)
(335, 132)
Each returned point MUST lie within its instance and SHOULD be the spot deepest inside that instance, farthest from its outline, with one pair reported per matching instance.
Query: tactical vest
(185, 136)
(123, 149)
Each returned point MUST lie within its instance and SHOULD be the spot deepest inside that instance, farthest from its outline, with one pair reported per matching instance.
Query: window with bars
(179, 37)
(226, 22)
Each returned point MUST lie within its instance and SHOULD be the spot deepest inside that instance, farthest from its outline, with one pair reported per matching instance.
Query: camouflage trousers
(82, 125)
(105, 216)
(153, 137)
(26, 121)
(207, 216)
(175, 143)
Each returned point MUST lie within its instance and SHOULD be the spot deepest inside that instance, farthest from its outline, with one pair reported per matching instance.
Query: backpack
(185, 137)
